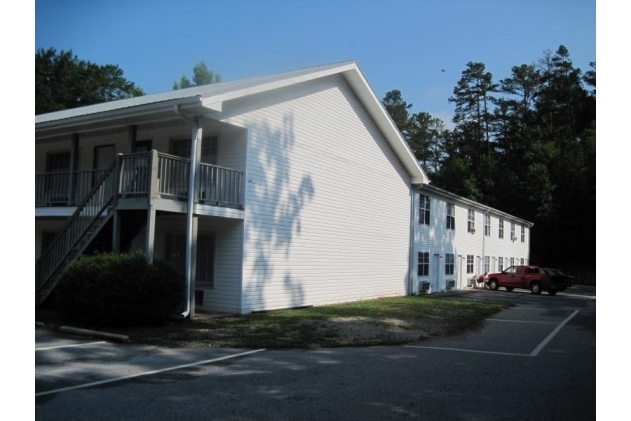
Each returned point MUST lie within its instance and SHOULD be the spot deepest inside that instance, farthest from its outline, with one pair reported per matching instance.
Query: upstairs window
(451, 216)
(487, 225)
(424, 204)
(501, 232)
(182, 148)
(523, 234)
(471, 222)
(512, 232)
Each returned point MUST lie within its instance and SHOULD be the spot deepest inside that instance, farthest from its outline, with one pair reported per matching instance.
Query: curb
(94, 333)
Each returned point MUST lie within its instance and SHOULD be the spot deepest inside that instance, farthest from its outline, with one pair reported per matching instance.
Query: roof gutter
(108, 116)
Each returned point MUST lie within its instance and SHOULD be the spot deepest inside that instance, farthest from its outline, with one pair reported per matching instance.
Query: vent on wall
(424, 287)
(451, 285)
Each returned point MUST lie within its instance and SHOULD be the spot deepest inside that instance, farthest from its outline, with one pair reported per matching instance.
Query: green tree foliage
(202, 75)
(62, 81)
(525, 145)
(398, 108)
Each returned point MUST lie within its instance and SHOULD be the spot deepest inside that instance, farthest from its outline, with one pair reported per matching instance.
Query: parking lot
(535, 360)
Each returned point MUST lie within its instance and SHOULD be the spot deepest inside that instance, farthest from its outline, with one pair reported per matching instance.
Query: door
(436, 283)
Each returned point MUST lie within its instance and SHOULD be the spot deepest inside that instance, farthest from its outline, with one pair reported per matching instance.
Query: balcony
(148, 175)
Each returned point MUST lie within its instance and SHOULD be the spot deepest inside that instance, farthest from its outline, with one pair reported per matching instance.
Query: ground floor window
(449, 264)
(512, 261)
(487, 264)
(500, 262)
(469, 263)
(176, 256)
(423, 263)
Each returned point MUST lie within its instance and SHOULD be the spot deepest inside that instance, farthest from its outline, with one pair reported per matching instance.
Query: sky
(398, 44)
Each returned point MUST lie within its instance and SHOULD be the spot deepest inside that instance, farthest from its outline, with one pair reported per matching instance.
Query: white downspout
(195, 137)
(411, 243)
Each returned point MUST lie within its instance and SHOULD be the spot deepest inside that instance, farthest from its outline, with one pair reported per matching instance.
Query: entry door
(104, 156)
(436, 286)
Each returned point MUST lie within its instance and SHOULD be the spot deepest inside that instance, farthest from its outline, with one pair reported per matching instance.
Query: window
(469, 263)
(501, 233)
(449, 264)
(182, 148)
(523, 234)
(522, 261)
(487, 264)
(423, 263)
(58, 162)
(511, 269)
(176, 256)
(512, 261)
(500, 262)
(487, 225)
(471, 222)
(512, 232)
(451, 216)
(424, 209)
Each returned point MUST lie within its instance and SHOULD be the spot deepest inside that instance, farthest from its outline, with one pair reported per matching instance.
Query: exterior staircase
(77, 234)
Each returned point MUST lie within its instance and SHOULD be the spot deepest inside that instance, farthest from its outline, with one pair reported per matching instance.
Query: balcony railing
(216, 186)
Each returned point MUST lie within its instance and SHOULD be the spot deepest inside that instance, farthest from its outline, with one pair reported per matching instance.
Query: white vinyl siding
(322, 185)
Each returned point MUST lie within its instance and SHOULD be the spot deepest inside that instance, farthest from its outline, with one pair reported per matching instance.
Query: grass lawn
(370, 322)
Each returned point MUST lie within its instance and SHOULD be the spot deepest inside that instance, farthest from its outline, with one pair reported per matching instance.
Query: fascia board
(112, 115)
(386, 125)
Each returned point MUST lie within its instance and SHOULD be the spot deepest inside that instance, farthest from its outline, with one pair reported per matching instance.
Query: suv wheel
(535, 288)
(494, 285)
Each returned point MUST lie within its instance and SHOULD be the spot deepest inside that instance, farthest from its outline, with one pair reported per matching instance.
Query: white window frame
(449, 264)
(451, 216)
(424, 209)
(470, 263)
(487, 225)
(423, 263)
(471, 221)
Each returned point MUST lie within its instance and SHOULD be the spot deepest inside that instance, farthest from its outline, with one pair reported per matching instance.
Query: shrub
(116, 289)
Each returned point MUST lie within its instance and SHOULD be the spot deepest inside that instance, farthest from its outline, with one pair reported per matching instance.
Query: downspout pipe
(412, 242)
(195, 137)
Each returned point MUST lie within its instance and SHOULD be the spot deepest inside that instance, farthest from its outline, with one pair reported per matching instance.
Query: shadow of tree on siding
(276, 197)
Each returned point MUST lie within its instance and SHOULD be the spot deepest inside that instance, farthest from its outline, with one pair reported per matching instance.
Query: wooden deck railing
(217, 186)
(222, 186)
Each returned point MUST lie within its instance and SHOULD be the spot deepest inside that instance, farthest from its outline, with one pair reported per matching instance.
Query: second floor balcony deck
(143, 177)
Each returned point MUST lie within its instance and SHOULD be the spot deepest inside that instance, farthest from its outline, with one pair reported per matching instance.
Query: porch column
(74, 158)
(191, 222)
(151, 233)
(116, 221)
(151, 212)
(131, 138)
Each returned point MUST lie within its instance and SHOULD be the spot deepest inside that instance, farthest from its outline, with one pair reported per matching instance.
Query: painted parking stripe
(69, 346)
(146, 373)
(534, 353)
(538, 349)
(520, 321)
(468, 350)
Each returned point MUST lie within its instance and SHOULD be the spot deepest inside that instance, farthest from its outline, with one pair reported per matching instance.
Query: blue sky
(399, 44)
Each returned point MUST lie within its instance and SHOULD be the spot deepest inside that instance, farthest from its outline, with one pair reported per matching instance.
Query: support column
(151, 233)
(116, 221)
(131, 138)
(151, 212)
(74, 161)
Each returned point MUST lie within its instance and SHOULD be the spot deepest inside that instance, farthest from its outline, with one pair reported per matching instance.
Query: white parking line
(519, 321)
(538, 349)
(534, 353)
(146, 373)
(69, 346)
(468, 350)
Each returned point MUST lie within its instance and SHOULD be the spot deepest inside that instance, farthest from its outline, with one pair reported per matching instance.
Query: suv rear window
(532, 270)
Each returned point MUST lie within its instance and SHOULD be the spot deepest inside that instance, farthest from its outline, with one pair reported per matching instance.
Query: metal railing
(70, 240)
(173, 173)
(216, 185)
(220, 185)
